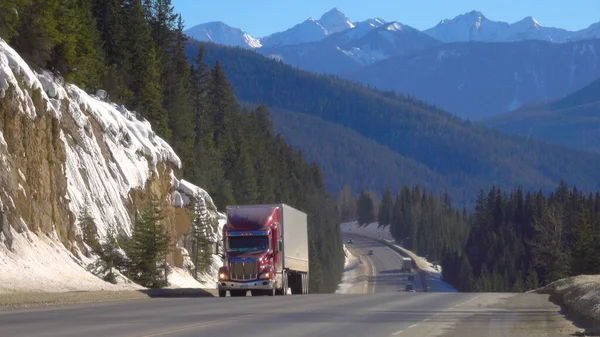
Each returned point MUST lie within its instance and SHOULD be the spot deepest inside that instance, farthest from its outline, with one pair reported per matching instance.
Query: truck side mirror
(215, 249)
(279, 246)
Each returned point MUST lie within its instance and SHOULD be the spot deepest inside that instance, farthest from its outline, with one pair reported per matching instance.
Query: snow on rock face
(185, 193)
(109, 153)
(62, 149)
(335, 21)
(307, 31)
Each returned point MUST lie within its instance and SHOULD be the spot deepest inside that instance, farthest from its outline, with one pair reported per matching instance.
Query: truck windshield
(247, 243)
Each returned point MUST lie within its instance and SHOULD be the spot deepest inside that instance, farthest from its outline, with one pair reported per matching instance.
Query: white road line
(373, 275)
(414, 325)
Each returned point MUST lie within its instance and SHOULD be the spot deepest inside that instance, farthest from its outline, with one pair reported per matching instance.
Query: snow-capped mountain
(362, 28)
(335, 21)
(310, 30)
(366, 43)
(474, 26)
(219, 32)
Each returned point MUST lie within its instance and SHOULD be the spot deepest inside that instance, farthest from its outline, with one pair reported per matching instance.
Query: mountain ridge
(479, 79)
(469, 26)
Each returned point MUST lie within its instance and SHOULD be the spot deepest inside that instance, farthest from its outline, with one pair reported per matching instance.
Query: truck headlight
(266, 275)
(223, 273)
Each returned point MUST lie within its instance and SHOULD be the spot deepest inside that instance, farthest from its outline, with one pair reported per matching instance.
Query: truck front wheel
(284, 284)
(222, 293)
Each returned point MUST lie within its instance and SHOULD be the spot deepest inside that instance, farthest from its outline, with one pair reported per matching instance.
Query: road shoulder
(360, 281)
(505, 314)
(30, 300)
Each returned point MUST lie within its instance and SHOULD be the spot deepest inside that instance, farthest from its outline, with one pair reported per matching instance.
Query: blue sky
(264, 17)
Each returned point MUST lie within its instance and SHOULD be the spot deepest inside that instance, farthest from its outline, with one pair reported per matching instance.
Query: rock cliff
(61, 150)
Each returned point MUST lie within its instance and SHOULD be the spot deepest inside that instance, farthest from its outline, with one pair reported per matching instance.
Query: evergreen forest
(512, 241)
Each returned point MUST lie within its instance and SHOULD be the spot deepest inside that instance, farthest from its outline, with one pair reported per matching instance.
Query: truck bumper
(250, 285)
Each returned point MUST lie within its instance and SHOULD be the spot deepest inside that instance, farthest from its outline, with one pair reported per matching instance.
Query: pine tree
(347, 204)
(178, 102)
(364, 208)
(247, 191)
(141, 68)
(386, 208)
(163, 25)
(89, 230)
(87, 66)
(518, 286)
(201, 254)
(315, 269)
(582, 252)
(222, 103)
(531, 281)
(9, 18)
(109, 259)
(148, 248)
(37, 32)
(397, 226)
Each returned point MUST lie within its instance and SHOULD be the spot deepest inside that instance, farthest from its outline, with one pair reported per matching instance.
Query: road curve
(388, 312)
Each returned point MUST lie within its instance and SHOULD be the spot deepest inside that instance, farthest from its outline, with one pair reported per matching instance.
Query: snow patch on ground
(181, 278)
(578, 293)
(44, 264)
(351, 275)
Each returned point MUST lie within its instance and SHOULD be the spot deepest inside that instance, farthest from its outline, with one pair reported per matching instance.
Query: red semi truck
(265, 251)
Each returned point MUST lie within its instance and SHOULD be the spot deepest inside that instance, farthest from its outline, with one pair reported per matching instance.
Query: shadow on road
(179, 293)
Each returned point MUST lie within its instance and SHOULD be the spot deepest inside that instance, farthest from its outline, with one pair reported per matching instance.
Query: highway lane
(389, 312)
(386, 266)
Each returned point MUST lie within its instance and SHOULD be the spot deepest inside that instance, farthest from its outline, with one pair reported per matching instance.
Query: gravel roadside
(22, 300)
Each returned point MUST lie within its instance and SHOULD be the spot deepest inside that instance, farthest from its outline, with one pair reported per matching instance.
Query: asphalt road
(388, 312)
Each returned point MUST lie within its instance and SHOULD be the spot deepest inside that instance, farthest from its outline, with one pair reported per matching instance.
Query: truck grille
(244, 271)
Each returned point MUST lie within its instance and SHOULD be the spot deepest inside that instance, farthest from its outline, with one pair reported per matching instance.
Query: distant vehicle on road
(350, 241)
(411, 277)
(370, 252)
(409, 288)
(406, 265)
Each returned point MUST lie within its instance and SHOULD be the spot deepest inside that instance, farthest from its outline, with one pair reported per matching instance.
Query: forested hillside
(512, 241)
(135, 51)
(570, 121)
(466, 155)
